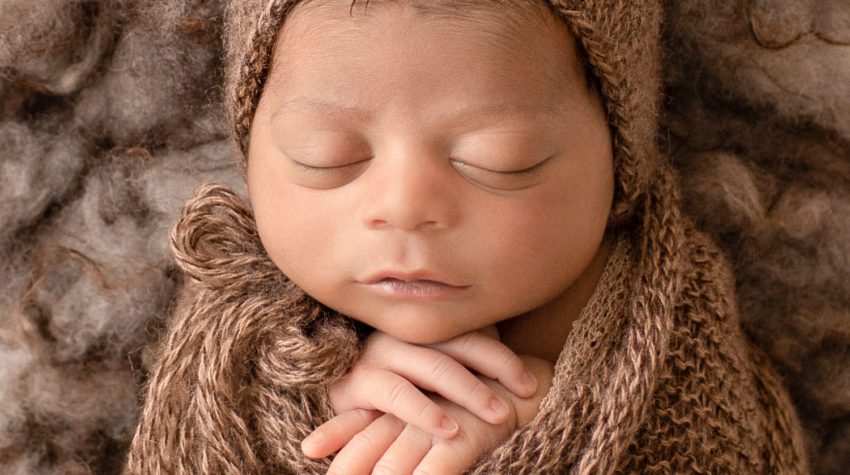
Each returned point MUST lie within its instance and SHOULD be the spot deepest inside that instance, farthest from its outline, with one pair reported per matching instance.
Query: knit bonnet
(619, 39)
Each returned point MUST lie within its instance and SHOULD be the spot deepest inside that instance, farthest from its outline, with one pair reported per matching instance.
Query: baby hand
(389, 374)
(382, 443)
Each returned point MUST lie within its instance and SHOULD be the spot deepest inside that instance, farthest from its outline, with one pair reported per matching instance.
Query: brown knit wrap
(243, 371)
(655, 376)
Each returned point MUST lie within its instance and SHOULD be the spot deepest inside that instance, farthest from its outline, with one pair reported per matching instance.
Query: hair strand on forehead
(354, 2)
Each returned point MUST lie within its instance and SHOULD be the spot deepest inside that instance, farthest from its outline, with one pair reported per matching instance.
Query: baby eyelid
(522, 171)
(328, 169)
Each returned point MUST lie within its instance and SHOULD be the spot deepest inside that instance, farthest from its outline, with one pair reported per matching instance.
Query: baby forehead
(518, 30)
(439, 8)
(506, 18)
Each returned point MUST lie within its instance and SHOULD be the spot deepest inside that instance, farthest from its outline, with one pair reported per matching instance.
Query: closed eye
(506, 180)
(321, 169)
(327, 177)
(521, 171)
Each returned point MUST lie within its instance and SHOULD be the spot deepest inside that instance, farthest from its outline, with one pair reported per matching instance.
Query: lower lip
(428, 290)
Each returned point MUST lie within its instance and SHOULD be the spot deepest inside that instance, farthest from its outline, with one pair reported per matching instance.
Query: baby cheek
(526, 225)
(310, 251)
(510, 245)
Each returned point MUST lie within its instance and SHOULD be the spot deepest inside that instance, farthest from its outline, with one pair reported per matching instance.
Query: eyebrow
(339, 109)
(320, 105)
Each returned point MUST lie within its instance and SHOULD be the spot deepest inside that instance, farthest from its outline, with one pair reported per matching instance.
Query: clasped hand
(435, 409)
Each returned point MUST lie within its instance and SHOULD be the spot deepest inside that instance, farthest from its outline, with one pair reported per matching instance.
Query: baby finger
(405, 453)
(364, 450)
(393, 394)
(491, 358)
(335, 433)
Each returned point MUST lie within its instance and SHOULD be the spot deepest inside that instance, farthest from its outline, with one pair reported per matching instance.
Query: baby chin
(420, 315)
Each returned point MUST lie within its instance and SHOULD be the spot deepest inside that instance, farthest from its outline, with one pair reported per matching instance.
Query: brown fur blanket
(759, 123)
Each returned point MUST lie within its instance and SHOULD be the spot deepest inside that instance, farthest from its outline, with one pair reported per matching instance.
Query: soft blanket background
(110, 115)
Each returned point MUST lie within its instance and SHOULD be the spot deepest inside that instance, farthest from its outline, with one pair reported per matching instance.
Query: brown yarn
(247, 356)
(648, 383)
(655, 376)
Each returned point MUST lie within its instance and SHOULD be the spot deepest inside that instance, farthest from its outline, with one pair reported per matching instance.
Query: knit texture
(656, 375)
(759, 128)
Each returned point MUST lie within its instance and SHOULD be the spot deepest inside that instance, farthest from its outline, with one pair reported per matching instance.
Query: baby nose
(410, 195)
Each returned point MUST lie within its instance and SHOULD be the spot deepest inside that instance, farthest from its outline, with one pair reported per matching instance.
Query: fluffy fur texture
(760, 127)
(110, 114)
(164, 81)
(54, 45)
(39, 165)
(791, 56)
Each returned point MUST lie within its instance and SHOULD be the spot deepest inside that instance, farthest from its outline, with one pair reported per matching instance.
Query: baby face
(429, 174)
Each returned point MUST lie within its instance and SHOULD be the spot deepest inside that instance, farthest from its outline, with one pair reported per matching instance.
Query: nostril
(776, 24)
(377, 223)
(428, 225)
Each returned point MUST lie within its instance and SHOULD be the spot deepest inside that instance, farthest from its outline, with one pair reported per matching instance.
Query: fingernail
(529, 381)
(449, 425)
(315, 438)
(498, 406)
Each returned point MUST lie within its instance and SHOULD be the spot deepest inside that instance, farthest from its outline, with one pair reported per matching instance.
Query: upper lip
(411, 276)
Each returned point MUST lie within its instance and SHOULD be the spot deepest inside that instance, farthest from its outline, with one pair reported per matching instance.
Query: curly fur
(54, 45)
(791, 56)
(97, 285)
(39, 165)
(110, 116)
(162, 78)
(760, 127)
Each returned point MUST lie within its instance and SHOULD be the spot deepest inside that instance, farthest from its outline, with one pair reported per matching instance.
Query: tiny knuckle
(339, 467)
(467, 342)
(512, 364)
(364, 414)
(399, 393)
(385, 467)
(362, 441)
(480, 392)
(427, 413)
(441, 367)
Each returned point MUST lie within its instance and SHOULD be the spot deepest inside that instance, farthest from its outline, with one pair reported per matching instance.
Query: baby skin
(445, 176)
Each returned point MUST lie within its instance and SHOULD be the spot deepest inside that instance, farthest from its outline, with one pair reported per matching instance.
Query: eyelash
(313, 169)
(523, 171)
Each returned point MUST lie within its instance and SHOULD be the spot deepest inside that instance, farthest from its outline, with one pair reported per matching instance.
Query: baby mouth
(413, 286)
(416, 288)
